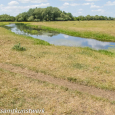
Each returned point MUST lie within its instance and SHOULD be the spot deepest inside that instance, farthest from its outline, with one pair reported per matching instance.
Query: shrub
(18, 48)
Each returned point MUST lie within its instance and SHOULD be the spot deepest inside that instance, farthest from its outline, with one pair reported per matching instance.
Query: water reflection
(59, 39)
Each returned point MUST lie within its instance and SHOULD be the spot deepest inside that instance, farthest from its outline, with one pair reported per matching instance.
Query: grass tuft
(72, 79)
(42, 42)
(18, 48)
(79, 65)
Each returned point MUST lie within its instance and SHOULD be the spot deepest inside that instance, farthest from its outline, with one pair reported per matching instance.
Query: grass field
(82, 66)
(100, 30)
(106, 27)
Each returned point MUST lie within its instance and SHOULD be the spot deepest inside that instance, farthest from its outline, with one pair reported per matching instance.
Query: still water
(58, 38)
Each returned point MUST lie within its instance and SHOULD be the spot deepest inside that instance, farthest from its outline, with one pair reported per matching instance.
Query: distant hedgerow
(18, 48)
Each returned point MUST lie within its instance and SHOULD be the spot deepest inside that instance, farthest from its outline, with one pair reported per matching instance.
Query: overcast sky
(76, 7)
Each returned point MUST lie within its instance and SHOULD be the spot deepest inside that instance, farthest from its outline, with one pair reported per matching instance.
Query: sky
(76, 7)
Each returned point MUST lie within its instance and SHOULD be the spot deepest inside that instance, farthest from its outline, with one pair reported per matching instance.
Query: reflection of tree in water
(29, 30)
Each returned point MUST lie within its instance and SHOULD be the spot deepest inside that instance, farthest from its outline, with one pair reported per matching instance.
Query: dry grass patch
(65, 62)
(33, 94)
(86, 66)
(81, 65)
(106, 27)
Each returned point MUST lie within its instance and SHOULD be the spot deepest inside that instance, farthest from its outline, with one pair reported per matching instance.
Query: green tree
(31, 18)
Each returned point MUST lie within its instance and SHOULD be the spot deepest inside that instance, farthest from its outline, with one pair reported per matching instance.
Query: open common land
(62, 80)
(106, 27)
(100, 30)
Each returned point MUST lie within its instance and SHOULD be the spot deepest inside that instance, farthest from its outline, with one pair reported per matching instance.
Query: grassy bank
(28, 93)
(100, 30)
(79, 65)
(35, 41)
(93, 35)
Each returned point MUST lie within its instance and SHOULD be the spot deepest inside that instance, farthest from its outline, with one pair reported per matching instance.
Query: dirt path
(90, 90)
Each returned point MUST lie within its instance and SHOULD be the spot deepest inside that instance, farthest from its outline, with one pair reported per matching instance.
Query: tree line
(6, 17)
(44, 14)
(96, 17)
(49, 14)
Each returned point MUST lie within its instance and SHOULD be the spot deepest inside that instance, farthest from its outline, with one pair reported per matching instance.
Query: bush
(37, 20)
(18, 48)
(31, 18)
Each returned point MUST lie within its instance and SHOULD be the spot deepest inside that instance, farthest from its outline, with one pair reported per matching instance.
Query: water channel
(59, 38)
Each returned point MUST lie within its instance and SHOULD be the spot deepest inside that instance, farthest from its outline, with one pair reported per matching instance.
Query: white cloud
(87, 3)
(74, 4)
(13, 3)
(32, 1)
(98, 10)
(91, 0)
(19, 9)
(109, 3)
(66, 36)
(97, 44)
(66, 4)
(1, 5)
(94, 6)
(66, 0)
(79, 0)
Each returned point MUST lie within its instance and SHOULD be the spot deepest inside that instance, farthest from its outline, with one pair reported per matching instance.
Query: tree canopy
(49, 14)
(6, 17)
(96, 17)
(44, 14)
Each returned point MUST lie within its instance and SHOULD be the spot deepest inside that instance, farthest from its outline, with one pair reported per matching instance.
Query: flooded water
(58, 38)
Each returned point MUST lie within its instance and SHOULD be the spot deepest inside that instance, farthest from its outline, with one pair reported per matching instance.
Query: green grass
(4, 23)
(98, 36)
(88, 52)
(18, 47)
(35, 41)
(85, 34)
(99, 30)
(106, 52)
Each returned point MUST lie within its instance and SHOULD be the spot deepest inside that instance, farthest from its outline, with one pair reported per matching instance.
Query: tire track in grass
(40, 76)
